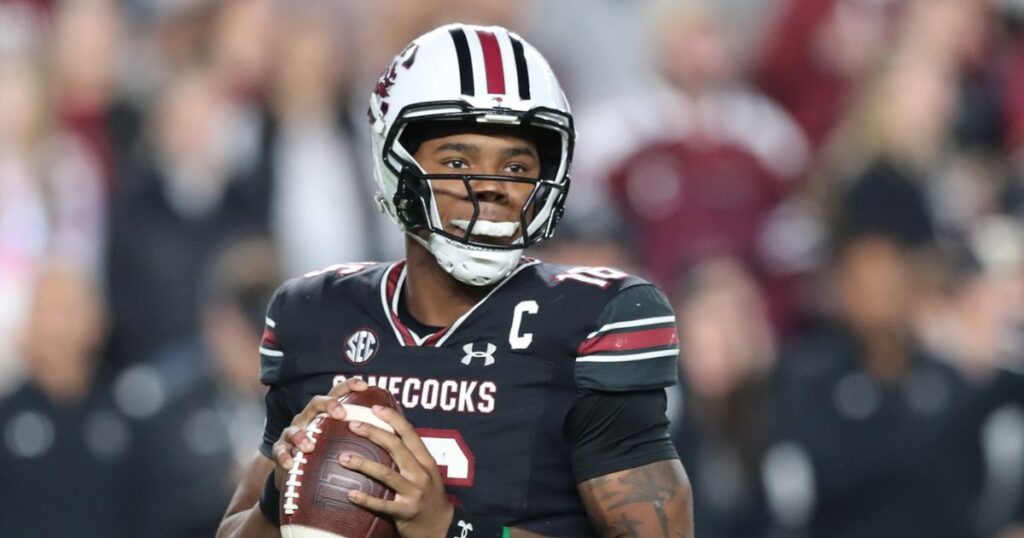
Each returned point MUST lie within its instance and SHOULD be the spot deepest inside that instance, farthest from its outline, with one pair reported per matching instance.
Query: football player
(533, 394)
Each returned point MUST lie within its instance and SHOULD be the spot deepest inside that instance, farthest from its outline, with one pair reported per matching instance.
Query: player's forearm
(249, 523)
(243, 517)
(651, 500)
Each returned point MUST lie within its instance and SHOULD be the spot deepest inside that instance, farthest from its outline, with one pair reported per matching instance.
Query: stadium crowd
(831, 192)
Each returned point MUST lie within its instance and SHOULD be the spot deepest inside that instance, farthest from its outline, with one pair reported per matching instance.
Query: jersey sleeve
(611, 432)
(271, 358)
(279, 416)
(271, 352)
(634, 345)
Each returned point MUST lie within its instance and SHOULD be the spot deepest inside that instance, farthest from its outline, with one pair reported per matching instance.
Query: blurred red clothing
(693, 198)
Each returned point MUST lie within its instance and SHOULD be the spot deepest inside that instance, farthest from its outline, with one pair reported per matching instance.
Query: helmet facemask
(414, 199)
(470, 78)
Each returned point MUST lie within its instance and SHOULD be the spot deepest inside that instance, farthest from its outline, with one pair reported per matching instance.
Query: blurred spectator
(977, 322)
(321, 206)
(696, 166)
(51, 200)
(865, 444)
(178, 206)
(902, 117)
(64, 443)
(977, 326)
(239, 48)
(198, 402)
(722, 428)
(698, 109)
(86, 44)
(818, 51)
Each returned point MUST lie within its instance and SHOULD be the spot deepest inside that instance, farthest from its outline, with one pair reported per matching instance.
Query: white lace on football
(298, 460)
(489, 228)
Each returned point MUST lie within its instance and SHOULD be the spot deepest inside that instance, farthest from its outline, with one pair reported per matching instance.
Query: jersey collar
(391, 291)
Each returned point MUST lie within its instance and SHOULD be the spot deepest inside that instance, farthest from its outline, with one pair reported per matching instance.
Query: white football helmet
(473, 75)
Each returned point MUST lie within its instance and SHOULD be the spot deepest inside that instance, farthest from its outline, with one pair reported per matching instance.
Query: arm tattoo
(626, 500)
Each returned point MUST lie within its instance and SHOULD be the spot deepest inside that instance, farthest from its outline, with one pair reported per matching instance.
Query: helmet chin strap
(473, 266)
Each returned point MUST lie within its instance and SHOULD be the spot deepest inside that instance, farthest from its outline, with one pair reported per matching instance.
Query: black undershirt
(411, 322)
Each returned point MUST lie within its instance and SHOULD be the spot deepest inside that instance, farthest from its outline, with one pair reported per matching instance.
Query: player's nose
(490, 190)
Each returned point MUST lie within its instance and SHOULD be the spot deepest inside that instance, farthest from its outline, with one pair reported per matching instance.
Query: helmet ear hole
(408, 206)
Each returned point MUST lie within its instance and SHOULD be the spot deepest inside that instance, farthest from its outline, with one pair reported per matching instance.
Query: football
(314, 502)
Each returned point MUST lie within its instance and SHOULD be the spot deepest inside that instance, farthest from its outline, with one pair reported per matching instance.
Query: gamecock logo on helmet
(387, 79)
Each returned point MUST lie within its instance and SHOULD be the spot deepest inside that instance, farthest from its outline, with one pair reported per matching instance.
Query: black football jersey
(489, 395)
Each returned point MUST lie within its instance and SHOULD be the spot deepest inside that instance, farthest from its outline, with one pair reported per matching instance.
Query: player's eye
(457, 164)
(517, 169)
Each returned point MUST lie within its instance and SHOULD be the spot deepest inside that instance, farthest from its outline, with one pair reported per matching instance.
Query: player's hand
(420, 508)
(294, 436)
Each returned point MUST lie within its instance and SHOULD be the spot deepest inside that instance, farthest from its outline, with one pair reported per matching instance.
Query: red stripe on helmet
(492, 62)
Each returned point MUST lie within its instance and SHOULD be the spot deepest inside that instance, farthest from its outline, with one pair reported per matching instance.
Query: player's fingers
(383, 474)
(396, 510)
(405, 430)
(297, 437)
(329, 403)
(349, 385)
(316, 406)
(282, 451)
(408, 464)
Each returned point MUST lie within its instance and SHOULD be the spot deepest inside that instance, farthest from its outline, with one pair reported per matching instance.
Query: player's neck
(433, 296)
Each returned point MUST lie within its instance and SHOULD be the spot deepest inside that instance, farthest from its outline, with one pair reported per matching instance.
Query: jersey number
(453, 457)
(341, 269)
(594, 276)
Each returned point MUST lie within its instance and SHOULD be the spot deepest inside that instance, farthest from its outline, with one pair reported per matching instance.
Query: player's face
(500, 202)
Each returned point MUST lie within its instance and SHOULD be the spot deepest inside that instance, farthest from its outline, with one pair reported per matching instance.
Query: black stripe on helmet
(465, 61)
(521, 71)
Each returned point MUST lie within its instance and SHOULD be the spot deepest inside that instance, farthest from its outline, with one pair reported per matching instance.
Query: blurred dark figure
(64, 444)
(976, 323)
(722, 429)
(864, 440)
(200, 400)
(187, 196)
(997, 410)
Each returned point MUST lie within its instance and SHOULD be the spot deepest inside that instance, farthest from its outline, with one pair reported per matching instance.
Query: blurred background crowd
(830, 191)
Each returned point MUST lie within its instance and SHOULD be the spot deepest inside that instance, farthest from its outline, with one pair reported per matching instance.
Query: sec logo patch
(361, 346)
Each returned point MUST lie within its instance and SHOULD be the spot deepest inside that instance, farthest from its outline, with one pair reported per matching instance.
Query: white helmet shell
(480, 74)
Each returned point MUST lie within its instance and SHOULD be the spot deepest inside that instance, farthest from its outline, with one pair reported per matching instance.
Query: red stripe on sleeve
(629, 341)
(269, 339)
(492, 62)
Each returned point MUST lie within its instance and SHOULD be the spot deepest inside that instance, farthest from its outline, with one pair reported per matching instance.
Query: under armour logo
(466, 529)
(488, 355)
